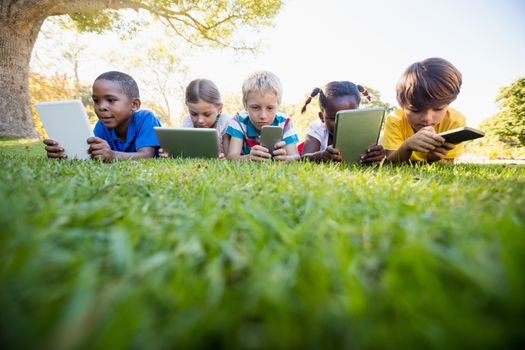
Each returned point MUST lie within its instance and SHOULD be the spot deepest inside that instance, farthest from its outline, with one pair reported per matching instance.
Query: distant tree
(161, 77)
(509, 123)
(58, 87)
(199, 22)
(376, 101)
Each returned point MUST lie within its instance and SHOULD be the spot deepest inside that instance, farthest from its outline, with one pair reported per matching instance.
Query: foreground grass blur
(190, 253)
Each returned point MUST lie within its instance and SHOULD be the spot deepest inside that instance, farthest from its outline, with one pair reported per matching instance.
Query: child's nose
(103, 106)
(266, 115)
(427, 118)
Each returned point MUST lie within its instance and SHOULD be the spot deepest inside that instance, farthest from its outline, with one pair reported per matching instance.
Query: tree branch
(86, 6)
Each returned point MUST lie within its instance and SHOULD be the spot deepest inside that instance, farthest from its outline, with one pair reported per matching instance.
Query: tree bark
(17, 39)
(20, 23)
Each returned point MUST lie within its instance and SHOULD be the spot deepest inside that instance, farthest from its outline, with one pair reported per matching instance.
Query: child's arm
(54, 150)
(425, 140)
(99, 149)
(234, 148)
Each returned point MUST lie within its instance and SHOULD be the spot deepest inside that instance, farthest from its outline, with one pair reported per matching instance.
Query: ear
(321, 116)
(135, 104)
(219, 108)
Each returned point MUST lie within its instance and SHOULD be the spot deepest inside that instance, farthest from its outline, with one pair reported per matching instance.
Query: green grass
(188, 253)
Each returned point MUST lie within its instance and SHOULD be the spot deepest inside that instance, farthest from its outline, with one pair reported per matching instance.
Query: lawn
(163, 254)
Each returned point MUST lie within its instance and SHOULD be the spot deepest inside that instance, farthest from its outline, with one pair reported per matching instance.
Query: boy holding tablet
(261, 93)
(424, 93)
(122, 131)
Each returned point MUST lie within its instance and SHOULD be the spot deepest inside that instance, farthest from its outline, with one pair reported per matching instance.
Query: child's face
(112, 106)
(204, 114)
(261, 108)
(419, 119)
(334, 105)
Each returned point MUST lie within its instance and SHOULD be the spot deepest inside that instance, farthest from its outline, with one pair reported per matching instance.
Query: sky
(371, 43)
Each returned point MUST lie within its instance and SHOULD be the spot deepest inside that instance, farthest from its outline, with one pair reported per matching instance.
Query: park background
(195, 253)
(309, 44)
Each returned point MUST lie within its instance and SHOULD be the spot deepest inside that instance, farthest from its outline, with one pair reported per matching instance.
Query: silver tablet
(188, 142)
(67, 123)
(356, 130)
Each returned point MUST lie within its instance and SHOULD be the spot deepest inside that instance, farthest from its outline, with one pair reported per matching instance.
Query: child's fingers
(337, 158)
(98, 146)
(279, 152)
(448, 146)
(260, 148)
(375, 148)
(440, 151)
(50, 142)
(280, 144)
(373, 159)
(56, 155)
(260, 153)
(332, 150)
(54, 149)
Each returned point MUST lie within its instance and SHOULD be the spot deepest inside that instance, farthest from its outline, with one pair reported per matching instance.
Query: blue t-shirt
(140, 133)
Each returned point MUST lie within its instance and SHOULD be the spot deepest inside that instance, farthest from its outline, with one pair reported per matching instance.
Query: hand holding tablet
(67, 124)
(355, 130)
(459, 135)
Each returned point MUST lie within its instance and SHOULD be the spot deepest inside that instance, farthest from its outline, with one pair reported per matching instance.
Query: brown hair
(431, 83)
(336, 89)
(203, 89)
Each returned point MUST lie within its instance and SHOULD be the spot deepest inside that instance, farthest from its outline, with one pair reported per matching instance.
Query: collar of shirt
(129, 136)
(251, 132)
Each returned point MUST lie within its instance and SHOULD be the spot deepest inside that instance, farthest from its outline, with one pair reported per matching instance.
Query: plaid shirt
(241, 127)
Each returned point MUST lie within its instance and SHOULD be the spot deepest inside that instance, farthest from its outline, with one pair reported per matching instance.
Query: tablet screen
(66, 122)
(356, 130)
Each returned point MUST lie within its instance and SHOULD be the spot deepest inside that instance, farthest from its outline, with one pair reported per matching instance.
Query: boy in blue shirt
(122, 131)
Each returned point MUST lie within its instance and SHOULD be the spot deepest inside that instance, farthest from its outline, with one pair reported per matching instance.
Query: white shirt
(319, 132)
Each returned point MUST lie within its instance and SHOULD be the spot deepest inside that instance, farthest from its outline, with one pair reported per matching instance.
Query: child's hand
(54, 150)
(331, 154)
(440, 152)
(425, 140)
(260, 153)
(279, 152)
(373, 155)
(99, 149)
(163, 154)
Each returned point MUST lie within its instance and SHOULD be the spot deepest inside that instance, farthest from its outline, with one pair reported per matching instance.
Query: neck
(122, 129)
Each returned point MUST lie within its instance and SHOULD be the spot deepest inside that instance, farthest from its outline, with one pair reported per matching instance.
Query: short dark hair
(126, 82)
(431, 83)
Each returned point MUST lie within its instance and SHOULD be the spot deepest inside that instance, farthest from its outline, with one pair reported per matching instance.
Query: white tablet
(356, 130)
(66, 122)
(189, 142)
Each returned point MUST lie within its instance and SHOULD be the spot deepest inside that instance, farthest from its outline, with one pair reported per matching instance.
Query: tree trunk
(17, 39)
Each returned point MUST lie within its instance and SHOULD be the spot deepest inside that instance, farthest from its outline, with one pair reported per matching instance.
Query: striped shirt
(242, 128)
